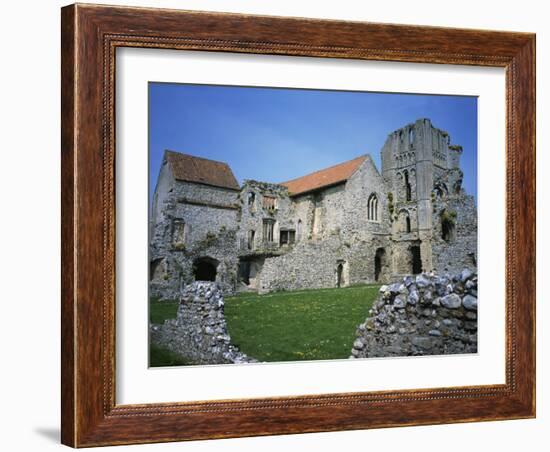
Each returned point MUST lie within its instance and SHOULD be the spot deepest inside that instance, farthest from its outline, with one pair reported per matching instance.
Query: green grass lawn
(286, 326)
(158, 313)
(301, 325)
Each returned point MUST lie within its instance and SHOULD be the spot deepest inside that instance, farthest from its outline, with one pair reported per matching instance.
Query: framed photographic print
(281, 225)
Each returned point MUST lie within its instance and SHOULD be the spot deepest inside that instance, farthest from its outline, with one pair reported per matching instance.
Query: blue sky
(277, 134)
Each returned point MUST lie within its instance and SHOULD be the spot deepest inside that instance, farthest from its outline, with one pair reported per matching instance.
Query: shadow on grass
(162, 357)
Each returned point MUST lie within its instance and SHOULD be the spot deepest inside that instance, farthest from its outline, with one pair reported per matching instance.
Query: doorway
(416, 260)
(339, 275)
(205, 269)
(379, 263)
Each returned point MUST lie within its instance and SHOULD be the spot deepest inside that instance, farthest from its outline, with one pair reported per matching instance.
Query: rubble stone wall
(199, 333)
(423, 315)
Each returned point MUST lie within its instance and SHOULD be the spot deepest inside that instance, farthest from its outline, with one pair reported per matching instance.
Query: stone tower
(417, 161)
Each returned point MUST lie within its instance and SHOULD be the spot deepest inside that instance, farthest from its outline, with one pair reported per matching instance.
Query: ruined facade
(347, 224)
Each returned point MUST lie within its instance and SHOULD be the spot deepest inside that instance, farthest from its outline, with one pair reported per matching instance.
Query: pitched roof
(329, 176)
(189, 168)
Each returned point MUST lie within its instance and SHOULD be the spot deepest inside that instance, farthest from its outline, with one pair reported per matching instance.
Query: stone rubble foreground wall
(426, 315)
(199, 333)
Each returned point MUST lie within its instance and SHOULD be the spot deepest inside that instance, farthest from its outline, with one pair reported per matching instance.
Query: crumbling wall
(310, 265)
(427, 315)
(197, 222)
(314, 264)
(254, 212)
(460, 249)
(199, 333)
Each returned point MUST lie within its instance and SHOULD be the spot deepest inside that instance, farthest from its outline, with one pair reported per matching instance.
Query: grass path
(301, 325)
(286, 326)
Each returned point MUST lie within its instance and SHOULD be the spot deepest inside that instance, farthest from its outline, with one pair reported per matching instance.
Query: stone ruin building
(343, 225)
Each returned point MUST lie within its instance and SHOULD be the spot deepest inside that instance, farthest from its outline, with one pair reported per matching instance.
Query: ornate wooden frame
(90, 35)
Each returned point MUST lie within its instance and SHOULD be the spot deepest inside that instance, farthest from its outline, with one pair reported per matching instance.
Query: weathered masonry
(347, 224)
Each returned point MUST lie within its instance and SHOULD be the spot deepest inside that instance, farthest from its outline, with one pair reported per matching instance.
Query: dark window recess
(291, 237)
(447, 230)
(244, 272)
(408, 189)
(287, 238)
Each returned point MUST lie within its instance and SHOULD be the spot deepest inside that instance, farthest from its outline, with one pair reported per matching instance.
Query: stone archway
(205, 269)
(342, 273)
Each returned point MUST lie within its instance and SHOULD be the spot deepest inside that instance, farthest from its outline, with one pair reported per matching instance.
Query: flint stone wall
(423, 315)
(199, 333)
(210, 216)
(461, 251)
(314, 264)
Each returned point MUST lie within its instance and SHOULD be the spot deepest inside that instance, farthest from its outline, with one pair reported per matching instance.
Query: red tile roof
(189, 168)
(324, 178)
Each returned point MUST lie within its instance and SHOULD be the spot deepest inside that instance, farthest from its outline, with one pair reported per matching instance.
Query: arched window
(299, 230)
(251, 199)
(411, 136)
(404, 221)
(407, 186)
(372, 208)
(448, 221)
(440, 190)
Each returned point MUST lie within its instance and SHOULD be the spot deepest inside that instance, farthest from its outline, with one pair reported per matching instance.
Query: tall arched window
(299, 230)
(372, 208)
(407, 186)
